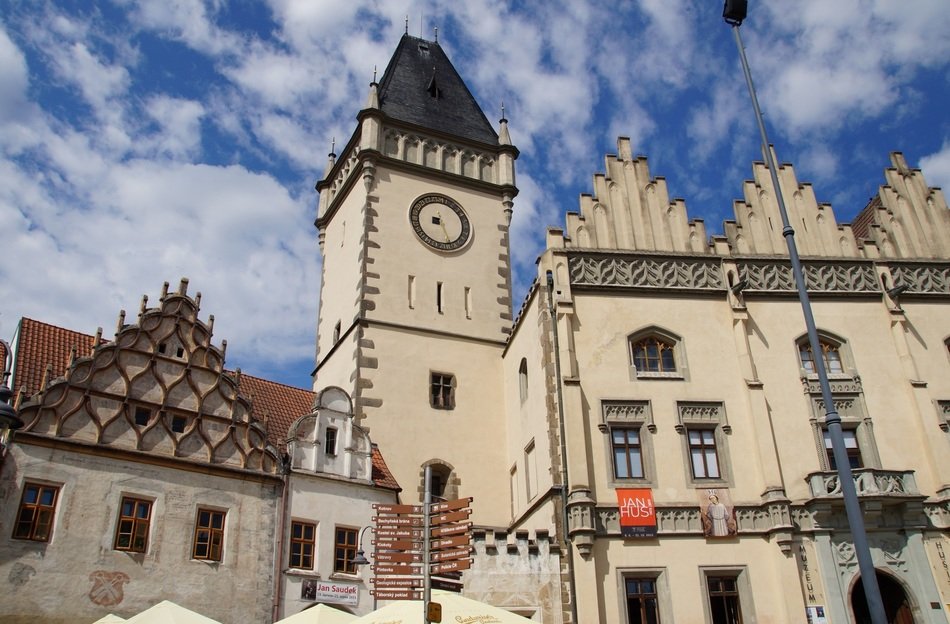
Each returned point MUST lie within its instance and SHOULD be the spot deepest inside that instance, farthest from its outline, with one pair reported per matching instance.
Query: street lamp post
(734, 11)
(8, 415)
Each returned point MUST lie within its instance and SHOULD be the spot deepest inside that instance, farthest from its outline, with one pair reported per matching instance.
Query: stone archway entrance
(896, 604)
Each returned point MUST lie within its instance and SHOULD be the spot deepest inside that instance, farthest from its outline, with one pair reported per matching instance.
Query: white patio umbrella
(320, 614)
(455, 608)
(167, 612)
(109, 619)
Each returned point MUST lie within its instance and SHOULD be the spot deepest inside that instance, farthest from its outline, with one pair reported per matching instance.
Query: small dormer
(328, 441)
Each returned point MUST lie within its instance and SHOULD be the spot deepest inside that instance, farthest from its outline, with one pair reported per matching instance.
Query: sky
(142, 141)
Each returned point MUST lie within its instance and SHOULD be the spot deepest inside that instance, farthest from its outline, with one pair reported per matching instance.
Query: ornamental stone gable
(159, 388)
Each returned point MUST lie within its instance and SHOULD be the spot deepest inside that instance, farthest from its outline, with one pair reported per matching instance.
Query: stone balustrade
(867, 481)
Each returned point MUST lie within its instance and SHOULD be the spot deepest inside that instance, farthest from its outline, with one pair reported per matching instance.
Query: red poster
(637, 513)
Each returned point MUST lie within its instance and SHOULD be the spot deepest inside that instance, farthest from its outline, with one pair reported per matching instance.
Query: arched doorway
(896, 604)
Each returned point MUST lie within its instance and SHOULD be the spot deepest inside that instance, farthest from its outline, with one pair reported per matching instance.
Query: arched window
(441, 484)
(830, 355)
(653, 354)
(523, 379)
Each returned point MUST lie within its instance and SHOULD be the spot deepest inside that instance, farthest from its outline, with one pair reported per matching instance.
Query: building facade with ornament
(643, 437)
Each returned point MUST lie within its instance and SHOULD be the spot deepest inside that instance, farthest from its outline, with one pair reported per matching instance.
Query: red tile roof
(41, 345)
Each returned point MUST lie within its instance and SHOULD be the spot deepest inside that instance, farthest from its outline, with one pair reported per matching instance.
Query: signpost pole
(426, 528)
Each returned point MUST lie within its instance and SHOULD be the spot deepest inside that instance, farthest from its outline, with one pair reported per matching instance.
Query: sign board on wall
(637, 513)
(337, 593)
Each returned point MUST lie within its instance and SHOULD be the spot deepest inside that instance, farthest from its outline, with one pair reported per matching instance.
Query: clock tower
(415, 300)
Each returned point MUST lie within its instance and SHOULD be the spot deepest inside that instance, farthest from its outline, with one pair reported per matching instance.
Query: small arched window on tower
(440, 477)
(830, 355)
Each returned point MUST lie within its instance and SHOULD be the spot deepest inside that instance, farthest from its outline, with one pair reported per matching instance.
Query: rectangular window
(850, 445)
(438, 297)
(135, 516)
(142, 415)
(412, 292)
(330, 444)
(345, 550)
(209, 535)
(530, 471)
(178, 424)
(724, 599)
(628, 454)
(468, 302)
(642, 601)
(302, 541)
(441, 391)
(513, 483)
(35, 516)
(702, 453)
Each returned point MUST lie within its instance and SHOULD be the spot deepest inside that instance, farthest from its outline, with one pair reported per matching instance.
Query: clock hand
(442, 225)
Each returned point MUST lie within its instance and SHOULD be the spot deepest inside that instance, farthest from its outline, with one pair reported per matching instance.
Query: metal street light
(734, 12)
(360, 558)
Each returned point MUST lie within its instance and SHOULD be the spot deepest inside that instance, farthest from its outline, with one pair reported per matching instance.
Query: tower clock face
(440, 222)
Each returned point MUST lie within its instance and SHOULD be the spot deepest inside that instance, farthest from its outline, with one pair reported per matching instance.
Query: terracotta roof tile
(277, 405)
(40, 345)
(381, 474)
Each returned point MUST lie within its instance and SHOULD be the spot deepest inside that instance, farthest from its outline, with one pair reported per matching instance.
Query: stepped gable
(421, 87)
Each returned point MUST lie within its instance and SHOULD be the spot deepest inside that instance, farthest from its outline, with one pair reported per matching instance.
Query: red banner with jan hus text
(637, 513)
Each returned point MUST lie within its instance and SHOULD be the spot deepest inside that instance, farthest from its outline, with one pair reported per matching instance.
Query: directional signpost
(418, 547)
(407, 557)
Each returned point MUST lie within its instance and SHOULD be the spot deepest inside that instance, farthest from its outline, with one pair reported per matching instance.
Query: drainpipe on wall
(279, 548)
(568, 547)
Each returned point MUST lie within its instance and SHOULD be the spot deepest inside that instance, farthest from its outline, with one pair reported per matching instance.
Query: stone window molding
(830, 343)
(664, 600)
(709, 416)
(679, 370)
(943, 411)
(629, 414)
(852, 410)
(743, 587)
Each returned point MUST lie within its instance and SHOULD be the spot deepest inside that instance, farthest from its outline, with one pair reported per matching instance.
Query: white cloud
(13, 77)
(936, 167)
(179, 127)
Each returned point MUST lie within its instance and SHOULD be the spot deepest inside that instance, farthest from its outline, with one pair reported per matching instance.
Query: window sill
(712, 483)
(652, 375)
(302, 572)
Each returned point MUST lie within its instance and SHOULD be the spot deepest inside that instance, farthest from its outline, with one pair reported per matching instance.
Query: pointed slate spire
(503, 137)
(331, 157)
(421, 86)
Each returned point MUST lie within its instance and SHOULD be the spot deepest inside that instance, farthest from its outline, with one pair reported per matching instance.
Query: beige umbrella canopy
(109, 619)
(167, 612)
(455, 608)
(320, 614)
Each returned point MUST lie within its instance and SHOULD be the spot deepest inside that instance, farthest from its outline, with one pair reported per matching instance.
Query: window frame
(743, 591)
(446, 385)
(37, 508)
(344, 552)
(136, 522)
(854, 452)
(620, 414)
(219, 532)
(664, 604)
(707, 416)
(330, 440)
(627, 447)
(304, 543)
(523, 379)
(640, 595)
(707, 442)
(673, 344)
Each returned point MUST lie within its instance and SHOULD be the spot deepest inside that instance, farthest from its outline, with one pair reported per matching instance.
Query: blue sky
(144, 141)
